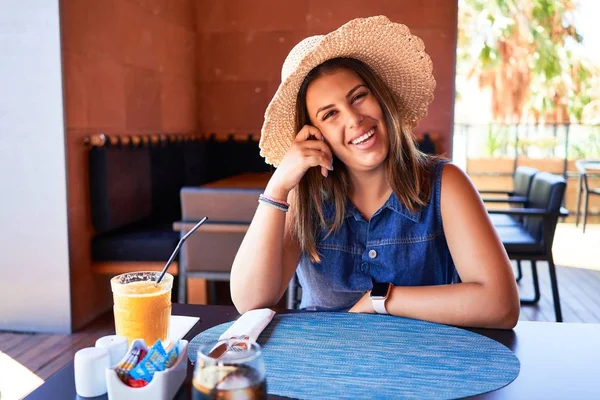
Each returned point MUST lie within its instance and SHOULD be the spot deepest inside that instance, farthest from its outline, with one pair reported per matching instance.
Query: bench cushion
(503, 220)
(518, 240)
(145, 241)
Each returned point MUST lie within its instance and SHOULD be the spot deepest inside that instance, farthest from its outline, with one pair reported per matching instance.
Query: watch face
(380, 290)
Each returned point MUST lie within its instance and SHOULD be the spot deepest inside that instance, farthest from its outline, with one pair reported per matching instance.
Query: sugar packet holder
(164, 384)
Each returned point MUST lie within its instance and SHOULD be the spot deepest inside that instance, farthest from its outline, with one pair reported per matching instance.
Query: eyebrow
(350, 93)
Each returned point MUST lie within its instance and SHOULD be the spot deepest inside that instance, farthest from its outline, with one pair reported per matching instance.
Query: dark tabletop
(558, 361)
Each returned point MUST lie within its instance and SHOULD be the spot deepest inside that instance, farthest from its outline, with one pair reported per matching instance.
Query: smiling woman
(374, 225)
(357, 97)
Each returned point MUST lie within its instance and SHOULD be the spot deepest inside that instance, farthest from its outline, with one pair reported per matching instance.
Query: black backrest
(426, 145)
(130, 183)
(523, 179)
(547, 192)
(120, 186)
(196, 166)
(231, 157)
(168, 172)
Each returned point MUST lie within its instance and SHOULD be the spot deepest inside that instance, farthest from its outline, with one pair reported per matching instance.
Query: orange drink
(142, 307)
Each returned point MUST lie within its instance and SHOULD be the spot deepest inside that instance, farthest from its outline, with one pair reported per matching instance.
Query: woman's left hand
(364, 305)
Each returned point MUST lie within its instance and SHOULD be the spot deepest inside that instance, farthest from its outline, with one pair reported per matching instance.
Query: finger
(311, 153)
(317, 145)
(322, 161)
(306, 132)
(324, 172)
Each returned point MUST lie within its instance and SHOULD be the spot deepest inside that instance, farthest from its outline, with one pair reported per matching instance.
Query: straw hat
(394, 54)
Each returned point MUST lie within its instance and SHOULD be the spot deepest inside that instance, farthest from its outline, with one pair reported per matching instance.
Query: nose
(355, 118)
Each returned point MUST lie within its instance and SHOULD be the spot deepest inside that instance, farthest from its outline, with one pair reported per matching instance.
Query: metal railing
(567, 142)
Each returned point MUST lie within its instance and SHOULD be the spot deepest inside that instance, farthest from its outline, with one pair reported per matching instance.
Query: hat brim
(395, 55)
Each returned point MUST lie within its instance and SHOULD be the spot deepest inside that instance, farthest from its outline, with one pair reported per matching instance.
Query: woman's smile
(365, 140)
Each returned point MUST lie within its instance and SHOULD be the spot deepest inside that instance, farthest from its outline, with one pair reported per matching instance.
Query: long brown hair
(407, 168)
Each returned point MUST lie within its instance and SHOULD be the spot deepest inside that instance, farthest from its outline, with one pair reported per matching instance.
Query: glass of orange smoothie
(142, 307)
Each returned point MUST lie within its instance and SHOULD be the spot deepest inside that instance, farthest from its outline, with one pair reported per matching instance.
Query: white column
(34, 250)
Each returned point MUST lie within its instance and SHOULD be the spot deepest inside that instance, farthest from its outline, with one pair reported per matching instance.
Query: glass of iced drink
(234, 372)
(142, 307)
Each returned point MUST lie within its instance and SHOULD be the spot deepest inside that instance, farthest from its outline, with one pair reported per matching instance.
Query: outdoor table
(558, 360)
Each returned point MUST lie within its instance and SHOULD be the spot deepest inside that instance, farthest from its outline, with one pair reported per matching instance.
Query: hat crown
(293, 59)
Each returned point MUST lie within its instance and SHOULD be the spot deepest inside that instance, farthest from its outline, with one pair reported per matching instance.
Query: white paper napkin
(251, 323)
(179, 326)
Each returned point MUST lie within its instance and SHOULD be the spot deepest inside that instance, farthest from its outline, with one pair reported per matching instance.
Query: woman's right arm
(269, 255)
(265, 261)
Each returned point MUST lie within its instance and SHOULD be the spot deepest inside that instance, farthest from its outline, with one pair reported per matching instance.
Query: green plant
(496, 141)
(589, 148)
(546, 145)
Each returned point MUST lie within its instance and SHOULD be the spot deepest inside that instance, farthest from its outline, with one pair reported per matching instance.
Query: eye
(359, 96)
(329, 114)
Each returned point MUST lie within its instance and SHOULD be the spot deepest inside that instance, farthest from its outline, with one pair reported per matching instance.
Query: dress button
(372, 254)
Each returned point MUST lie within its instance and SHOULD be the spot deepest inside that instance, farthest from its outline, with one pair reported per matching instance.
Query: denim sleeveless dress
(396, 245)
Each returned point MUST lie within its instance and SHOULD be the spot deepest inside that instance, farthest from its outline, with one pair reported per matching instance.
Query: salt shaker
(90, 366)
(116, 345)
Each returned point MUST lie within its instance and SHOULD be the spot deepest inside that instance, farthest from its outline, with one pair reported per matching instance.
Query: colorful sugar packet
(140, 364)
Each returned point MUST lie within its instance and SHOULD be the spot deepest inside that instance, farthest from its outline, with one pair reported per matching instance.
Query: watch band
(379, 295)
(379, 306)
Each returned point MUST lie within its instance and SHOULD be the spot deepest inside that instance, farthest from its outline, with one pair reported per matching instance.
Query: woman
(373, 224)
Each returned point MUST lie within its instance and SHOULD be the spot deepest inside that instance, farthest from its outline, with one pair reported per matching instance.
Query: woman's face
(348, 115)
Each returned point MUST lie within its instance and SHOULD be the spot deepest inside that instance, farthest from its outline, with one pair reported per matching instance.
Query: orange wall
(129, 67)
(242, 45)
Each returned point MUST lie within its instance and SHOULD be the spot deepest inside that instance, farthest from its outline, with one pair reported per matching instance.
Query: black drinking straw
(164, 271)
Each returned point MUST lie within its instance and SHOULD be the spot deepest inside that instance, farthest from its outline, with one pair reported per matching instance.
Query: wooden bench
(135, 188)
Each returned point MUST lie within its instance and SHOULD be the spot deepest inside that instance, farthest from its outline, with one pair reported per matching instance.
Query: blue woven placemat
(342, 355)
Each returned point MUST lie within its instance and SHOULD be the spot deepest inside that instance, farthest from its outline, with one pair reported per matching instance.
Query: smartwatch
(379, 295)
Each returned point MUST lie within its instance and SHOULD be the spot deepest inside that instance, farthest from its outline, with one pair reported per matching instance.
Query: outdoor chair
(583, 166)
(532, 237)
(523, 178)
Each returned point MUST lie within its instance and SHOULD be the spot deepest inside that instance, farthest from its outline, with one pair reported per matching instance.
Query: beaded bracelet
(273, 203)
(283, 203)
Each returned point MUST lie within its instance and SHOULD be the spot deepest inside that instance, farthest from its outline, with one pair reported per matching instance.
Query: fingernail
(326, 173)
(331, 168)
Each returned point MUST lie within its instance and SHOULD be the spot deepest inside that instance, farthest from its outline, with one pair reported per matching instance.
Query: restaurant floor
(573, 248)
(28, 359)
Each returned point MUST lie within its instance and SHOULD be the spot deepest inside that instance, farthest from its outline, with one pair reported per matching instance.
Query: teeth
(364, 137)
